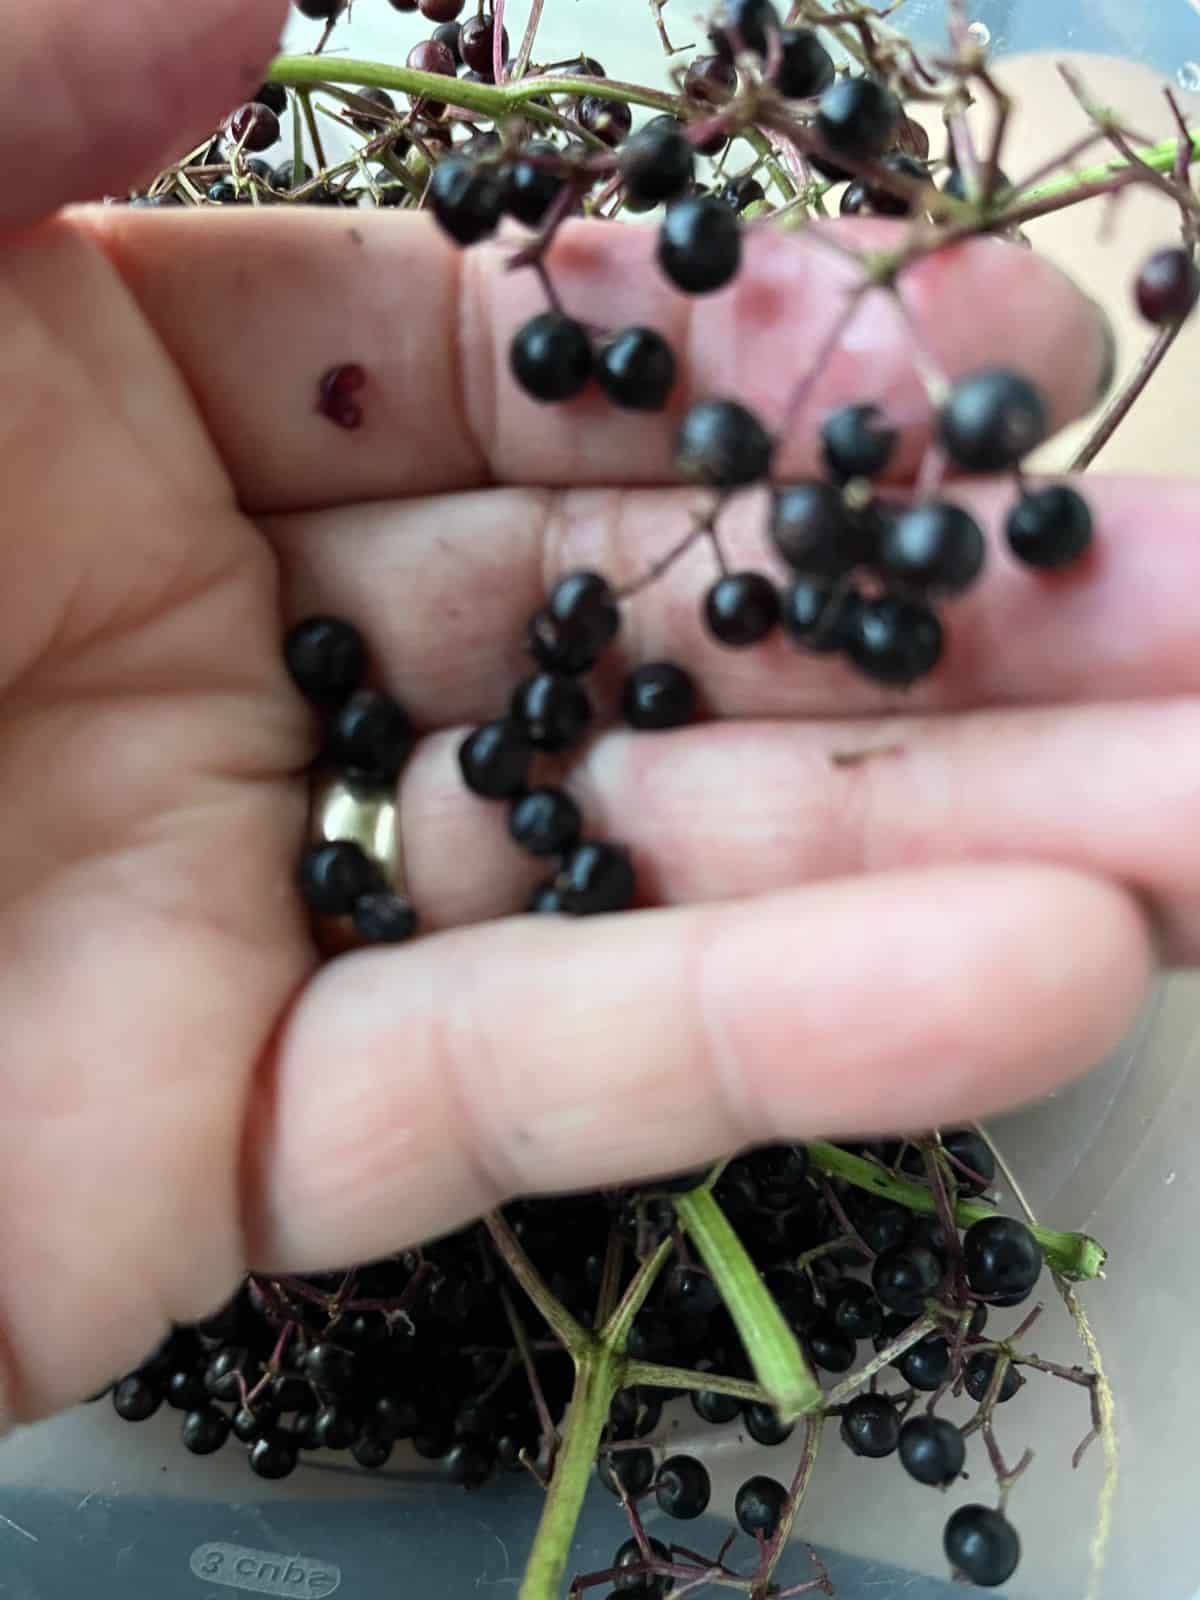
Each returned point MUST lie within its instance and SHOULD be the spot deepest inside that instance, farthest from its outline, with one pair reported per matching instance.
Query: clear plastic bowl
(90, 1507)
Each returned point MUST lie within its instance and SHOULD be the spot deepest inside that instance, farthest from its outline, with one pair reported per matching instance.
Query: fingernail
(1110, 355)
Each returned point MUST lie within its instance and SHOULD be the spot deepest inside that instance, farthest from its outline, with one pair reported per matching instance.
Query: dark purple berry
(715, 1408)
(204, 1431)
(764, 1425)
(871, 1426)
(972, 1151)
(905, 1277)
(546, 822)
(857, 442)
(430, 55)
(371, 1449)
(745, 25)
(759, 1505)
(894, 642)
(636, 369)
(330, 1367)
(554, 711)
(476, 43)
(327, 659)
(884, 201)
(936, 548)
(495, 759)
(185, 1390)
(254, 1423)
(467, 200)
(595, 879)
(812, 532)
(739, 193)
(609, 120)
(711, 79)
(806, 67)
(628, 1470)
(1050, 528)
(635, 1412)
(1168, 287)
(857, 118)
(741, 609)
(333, 876)
(924, 1367)
(223, 1372)
(635, 1587)
(992, 420)
(1003, 1259)
(682, 1488)
(932, 1451)
(854, 1309)
(274, 97)
(371, 735)
(657, 163)
(699, 244)
(818, 613)
(320, 10)
(531, 189)
(722, 445)
(137, 1397)
(551, 357)
(659, 695)
(272, 1457)
(254, 126)
(982, 1545)
(545, 900)
(978, 1371)
(584, 605)
(440, 10)
(384, 918)
(830, 1348)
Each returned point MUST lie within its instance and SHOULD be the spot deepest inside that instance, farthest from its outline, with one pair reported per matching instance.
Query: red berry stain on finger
(335, 395)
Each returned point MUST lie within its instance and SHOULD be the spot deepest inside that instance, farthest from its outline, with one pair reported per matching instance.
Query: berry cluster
(426, 1348)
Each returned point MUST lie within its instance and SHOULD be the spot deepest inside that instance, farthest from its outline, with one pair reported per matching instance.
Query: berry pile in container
(879, 1297)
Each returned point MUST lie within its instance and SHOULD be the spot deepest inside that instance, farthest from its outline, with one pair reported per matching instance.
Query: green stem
(490, 100)
(596, 1379)
(1161, 157)
(616, 1330)
(656, 1377)
(1075, 1256)
(772, 1347)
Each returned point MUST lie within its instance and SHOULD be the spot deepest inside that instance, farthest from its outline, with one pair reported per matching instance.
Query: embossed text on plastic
(264, 1571)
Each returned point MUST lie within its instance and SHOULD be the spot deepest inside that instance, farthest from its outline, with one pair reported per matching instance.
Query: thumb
(99, 97)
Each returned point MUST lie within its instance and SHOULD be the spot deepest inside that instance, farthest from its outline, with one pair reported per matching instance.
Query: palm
(163, 1127)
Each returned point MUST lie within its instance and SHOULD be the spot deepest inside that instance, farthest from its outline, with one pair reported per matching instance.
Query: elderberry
(983, 1545)
(741, 609)
(699, 244)
(636, 369)
(722, 445)
(759, 1505)
(932, 1451)
(991, 420)
(466, 199)
(658, 695)
(871, 1426)
(551, 357)
(1050, 528)
(682, 1488)
(857, 442)
(657, 162)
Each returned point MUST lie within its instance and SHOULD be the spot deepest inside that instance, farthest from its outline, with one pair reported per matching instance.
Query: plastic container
(90, 1507)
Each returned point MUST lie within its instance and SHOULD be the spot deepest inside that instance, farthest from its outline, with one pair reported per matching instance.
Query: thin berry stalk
(851, 1385)
(575, 1338)
(772, 1347)
(796, 1493)
(1074, 1256)
(616, 1330)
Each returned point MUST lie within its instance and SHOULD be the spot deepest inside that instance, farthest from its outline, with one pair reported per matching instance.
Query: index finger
(295, 295)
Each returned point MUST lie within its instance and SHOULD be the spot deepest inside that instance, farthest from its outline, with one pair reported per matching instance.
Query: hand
(944, 928)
